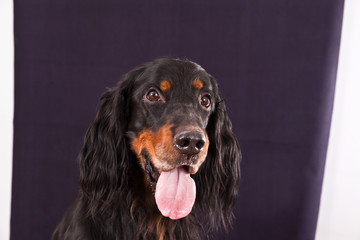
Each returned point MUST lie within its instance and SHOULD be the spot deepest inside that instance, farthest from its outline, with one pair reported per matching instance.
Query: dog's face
(164, 121)
(172, 101)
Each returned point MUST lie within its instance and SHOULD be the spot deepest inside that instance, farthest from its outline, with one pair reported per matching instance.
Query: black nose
(190, 142)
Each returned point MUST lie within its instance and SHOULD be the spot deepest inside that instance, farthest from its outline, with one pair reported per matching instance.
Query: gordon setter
(159, 161)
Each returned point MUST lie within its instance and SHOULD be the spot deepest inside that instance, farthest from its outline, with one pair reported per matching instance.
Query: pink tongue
(175, 193)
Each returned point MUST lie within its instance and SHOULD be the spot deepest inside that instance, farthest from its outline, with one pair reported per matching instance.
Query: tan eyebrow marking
(198, 84)
(165, 86)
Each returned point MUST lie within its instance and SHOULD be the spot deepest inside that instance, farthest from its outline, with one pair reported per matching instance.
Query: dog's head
(171, 106)
(169, 114)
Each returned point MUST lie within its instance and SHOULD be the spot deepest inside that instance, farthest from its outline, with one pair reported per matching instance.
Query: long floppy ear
(105, 156)
(218, 177)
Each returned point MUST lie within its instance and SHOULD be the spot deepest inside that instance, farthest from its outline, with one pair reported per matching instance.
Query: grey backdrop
(275, 62)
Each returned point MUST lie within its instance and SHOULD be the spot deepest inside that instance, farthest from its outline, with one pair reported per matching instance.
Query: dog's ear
(105, 156)
(219, 175)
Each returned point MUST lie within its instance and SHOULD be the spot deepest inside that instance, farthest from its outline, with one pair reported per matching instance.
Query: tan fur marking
(202, 156)
(198, 84)
(165, 86)
(204, 152)
(158, 143)
(137, 146)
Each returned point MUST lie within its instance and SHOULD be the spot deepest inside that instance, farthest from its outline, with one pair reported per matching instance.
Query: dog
(160, 160)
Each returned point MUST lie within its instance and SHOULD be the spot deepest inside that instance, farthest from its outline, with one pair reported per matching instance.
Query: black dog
(162, 123)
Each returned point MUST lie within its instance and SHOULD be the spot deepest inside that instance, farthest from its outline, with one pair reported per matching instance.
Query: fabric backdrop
(275, 62)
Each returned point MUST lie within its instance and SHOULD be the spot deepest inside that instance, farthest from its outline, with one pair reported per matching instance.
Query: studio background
(275, 64)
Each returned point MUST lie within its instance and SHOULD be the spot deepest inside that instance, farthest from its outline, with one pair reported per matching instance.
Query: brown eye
(153, 96)
(205, 100)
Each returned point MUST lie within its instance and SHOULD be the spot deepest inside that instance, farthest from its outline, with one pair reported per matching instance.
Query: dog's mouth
(152, 173)
(174, 189)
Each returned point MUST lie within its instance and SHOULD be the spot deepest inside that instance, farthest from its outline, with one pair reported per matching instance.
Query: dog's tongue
(175, 193)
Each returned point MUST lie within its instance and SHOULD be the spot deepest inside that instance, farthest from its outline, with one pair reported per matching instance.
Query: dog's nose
(190, 142)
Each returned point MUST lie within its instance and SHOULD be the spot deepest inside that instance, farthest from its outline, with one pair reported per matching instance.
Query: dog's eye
(205, 100)
(153, 96)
